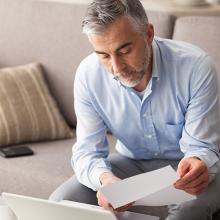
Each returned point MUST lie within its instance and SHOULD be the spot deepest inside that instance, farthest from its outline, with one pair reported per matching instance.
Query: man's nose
(117, 65)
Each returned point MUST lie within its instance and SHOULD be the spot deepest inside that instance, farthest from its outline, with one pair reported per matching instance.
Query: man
(158, 98)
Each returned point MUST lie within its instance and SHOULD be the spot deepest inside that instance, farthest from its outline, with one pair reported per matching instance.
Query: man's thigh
(202, 208)
(124, 167)
(150, 165)
(73, 190)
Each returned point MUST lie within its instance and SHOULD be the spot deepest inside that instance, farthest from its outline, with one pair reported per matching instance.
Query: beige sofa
(50, 33)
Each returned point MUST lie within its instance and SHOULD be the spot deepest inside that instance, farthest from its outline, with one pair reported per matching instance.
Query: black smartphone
(16, 151)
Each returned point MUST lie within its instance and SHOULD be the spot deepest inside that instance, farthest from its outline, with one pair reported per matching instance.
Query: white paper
(134, 216)
(166, 196)
(152, 188)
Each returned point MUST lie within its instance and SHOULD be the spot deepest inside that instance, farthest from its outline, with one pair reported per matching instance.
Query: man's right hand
(106, 179)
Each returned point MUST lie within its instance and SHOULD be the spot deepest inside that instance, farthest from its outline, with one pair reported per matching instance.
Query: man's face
(125, 52)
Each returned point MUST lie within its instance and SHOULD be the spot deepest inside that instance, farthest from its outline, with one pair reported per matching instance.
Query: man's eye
(104, 56)
(125, 51)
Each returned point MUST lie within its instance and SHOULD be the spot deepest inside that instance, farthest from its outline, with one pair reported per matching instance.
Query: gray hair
(102, 13)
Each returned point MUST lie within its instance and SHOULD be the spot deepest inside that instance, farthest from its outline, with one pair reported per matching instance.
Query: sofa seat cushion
(38, 175)
(27, 110)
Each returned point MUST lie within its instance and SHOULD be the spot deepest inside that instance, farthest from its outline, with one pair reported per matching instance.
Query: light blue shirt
(176, 118)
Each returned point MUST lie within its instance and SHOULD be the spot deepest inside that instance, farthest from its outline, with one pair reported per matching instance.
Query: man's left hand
(194, 176)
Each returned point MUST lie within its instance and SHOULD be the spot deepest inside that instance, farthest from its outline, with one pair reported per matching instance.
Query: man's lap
(205, 205)
(122, 167)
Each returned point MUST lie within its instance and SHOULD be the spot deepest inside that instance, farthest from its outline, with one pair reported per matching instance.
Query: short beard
(138, 74)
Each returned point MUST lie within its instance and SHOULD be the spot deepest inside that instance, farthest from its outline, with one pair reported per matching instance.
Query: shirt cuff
(95, 177)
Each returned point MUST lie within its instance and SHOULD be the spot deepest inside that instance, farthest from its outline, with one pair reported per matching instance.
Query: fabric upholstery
(39, 175)
(49, 33)
(27, 110)
(201, 31)
(163, 23)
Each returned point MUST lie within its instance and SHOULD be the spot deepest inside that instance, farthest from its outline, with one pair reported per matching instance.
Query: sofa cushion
(201, 31)
(27, 110)
(50, 33)
(38, 175)
(163, 23)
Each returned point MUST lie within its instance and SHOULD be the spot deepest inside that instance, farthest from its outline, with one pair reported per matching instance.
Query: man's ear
(150, 33)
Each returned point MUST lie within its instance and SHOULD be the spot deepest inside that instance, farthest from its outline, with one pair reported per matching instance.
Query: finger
(198, 190)
(183, 183)
(103, 202)
(204, 181)
(204, 177)
(101, 198)
(182, 169)
(193, 187)
(105, 205)
(192, 175)
(109, 207)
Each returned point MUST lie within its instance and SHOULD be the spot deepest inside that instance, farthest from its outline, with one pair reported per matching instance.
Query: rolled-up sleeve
(89, 158)
(200, 135)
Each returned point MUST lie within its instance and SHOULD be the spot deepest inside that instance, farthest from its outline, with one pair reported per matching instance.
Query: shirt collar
(155, 51)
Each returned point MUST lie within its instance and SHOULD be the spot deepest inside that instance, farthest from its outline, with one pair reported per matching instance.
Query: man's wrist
(104, 176)
(196, 158)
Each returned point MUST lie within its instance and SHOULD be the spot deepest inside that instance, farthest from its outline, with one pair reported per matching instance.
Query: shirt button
(145, 115)
(155, 154)
(148, 136)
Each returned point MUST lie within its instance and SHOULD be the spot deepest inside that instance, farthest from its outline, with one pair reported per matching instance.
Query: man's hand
(194, 176)
(106, 179)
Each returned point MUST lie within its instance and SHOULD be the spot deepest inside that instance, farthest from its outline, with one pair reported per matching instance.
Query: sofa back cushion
(50, 33)
(203, 32)
(163, 23)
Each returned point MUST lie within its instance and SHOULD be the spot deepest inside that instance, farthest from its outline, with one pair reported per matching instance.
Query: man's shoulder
(180, 49)
(91, 57)
(92, 72)
(180, 60)
(90, 66)
(91, 60)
